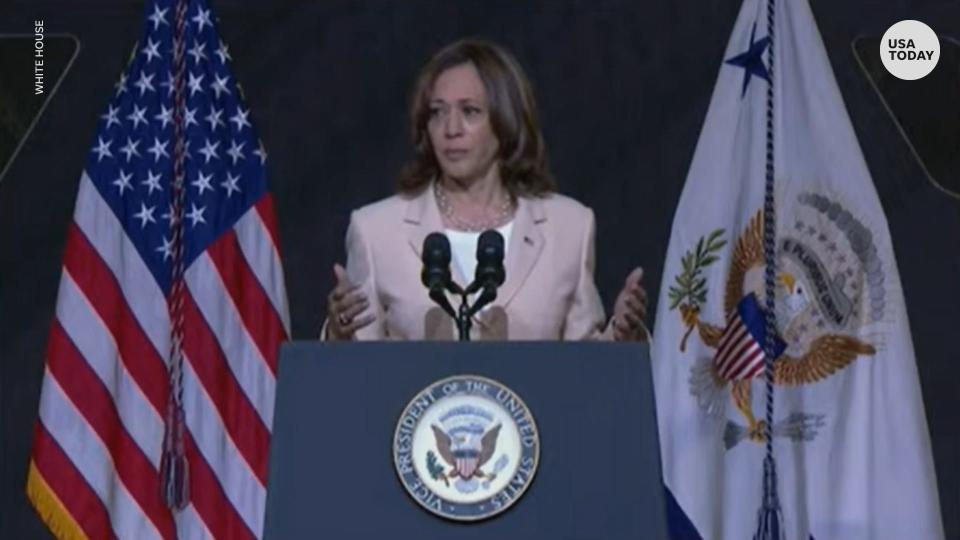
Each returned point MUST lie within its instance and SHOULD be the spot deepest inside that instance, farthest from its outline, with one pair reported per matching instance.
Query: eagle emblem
(466, 452)
(466, 448)
(829, 287)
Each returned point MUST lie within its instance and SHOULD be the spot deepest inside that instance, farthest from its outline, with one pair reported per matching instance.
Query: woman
(480, 163)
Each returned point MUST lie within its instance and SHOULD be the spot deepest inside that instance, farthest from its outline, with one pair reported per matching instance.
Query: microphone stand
(465, 316)
(464, 321)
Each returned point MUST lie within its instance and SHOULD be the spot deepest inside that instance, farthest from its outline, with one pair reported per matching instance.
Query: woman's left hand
(630, 309)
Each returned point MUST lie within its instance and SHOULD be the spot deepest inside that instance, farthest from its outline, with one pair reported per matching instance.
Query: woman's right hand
(344, 305)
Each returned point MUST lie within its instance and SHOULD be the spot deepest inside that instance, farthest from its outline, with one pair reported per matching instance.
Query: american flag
(94, 471)
(740, 352)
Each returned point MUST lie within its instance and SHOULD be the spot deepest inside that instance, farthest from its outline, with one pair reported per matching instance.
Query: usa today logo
(909, 50)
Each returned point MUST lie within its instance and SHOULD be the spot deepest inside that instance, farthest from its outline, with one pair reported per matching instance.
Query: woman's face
(459, 126)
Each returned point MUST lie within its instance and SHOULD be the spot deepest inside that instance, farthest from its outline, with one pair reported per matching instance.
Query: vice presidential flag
(849, 434)
(95, 466)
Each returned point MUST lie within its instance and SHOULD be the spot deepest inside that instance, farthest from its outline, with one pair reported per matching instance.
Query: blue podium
(332, 471)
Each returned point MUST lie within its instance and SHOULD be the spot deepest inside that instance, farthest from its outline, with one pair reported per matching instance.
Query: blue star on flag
(751, 60)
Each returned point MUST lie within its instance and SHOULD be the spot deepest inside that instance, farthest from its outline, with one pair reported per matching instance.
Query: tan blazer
(549, 292)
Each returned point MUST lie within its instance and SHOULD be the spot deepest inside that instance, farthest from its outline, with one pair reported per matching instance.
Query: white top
(463, 249)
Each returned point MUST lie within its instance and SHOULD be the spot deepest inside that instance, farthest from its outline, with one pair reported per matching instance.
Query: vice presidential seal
(466, 448)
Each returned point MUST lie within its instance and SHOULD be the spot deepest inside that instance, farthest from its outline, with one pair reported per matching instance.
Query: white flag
(850, 436)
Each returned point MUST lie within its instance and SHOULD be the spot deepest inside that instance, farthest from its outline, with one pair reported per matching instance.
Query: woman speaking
(479, 163)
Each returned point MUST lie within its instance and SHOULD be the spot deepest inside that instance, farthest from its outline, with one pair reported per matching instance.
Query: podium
(332, 472)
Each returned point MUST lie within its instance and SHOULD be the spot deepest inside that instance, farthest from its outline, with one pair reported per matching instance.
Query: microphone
(436, 261)
(490, 273)
(435, 275)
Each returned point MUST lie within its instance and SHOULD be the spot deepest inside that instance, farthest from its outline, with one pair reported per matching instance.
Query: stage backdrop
(623, 88)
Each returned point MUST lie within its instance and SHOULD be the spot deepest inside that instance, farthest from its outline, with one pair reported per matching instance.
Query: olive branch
(435, 469)
(690, 291)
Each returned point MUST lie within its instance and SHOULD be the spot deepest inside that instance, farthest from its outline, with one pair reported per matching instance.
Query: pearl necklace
(504, 214)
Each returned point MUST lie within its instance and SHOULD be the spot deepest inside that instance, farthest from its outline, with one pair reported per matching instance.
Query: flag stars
(158, 149)
(230, 184)
(236, 151)
(196, 215)
(197, 51)
(151, 49)
(130, 149)
(144, 83)
(190, 117)
(111, 116)
(145, 215)
(202, 18)
(165, 116)
(170, 216)
(214, 118)
(209, 151)
(223, 53)
(121, 85)
(202, 183)
(166, 249)
(123, 182)
(158, 17)
(152, 182)
(261, 153)
(240, 119)
(194, 83)
(103, 149)
(137, 116)
(752, 60)
(220, 85)
(168, 84)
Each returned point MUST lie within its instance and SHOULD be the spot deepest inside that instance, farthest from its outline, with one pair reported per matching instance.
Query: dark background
(623, 88)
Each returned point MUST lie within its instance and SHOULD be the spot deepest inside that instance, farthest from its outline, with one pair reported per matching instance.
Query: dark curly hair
(522, 154)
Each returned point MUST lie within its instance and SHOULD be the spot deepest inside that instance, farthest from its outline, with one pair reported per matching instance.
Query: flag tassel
(174, 467)
(769, 516)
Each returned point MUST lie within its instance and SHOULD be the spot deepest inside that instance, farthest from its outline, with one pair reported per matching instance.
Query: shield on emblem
(466, 466)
